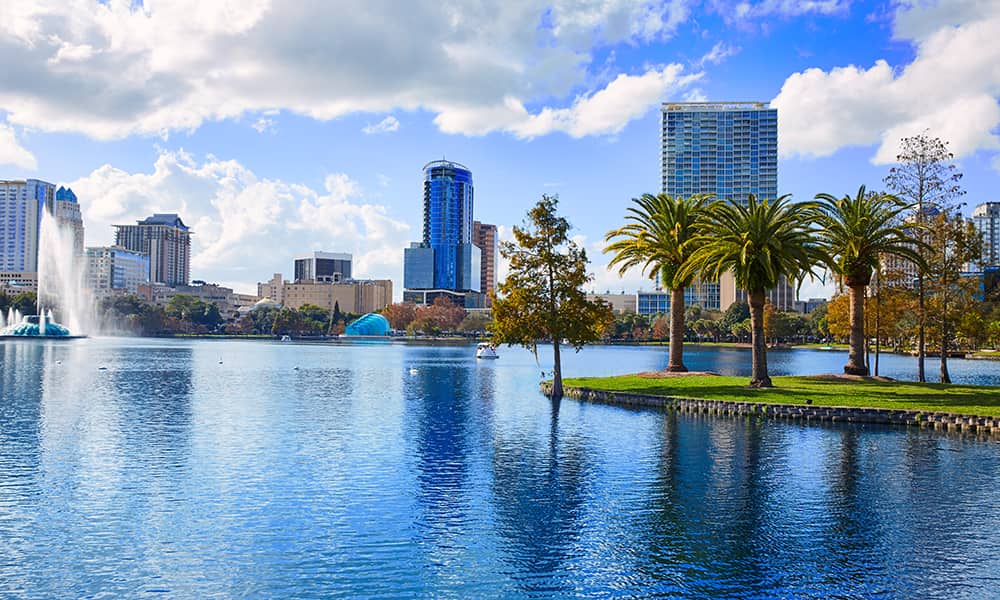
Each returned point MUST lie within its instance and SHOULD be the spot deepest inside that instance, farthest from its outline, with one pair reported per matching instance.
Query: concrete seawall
(942, 421)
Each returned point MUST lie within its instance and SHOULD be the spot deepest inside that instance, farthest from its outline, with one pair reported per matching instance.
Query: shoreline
(979, 425)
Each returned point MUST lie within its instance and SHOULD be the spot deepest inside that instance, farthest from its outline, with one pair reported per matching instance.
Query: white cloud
(606, 111)
(386, 125)
(240, 219)
(950, 88)
(719, 52)
(162, 66)
(738, 10)
(12, 153)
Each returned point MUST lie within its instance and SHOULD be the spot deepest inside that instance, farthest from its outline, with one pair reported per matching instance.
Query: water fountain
(60, 284)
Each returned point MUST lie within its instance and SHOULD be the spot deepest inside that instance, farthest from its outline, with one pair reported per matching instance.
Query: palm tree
(856, 232)
(759, 242)
(659, 236)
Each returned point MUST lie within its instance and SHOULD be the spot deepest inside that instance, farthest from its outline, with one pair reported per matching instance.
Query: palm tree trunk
(856, 355)
(676, 361)
(758, 371)
(557, 387)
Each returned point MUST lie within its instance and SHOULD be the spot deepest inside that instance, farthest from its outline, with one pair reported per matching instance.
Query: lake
(199, 468)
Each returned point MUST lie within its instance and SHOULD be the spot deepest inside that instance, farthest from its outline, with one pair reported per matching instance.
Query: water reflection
(538, 493)
(391, 470)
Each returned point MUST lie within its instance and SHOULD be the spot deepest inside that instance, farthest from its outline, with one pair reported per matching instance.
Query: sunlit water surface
(260, 469)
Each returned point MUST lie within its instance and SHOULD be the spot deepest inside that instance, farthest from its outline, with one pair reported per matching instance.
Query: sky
(279, 128)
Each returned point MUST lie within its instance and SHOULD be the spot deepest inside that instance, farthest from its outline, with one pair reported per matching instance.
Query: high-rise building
(323, 267)
(729, 149)
(114, 270)
(167, 242)
(22, 203)
(446, 258)
(484, 236)
(66, 210)
(986, 218)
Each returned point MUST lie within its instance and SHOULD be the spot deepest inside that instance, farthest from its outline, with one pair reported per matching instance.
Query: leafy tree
(926, 178)
(736, 313)
(475, 322)
(660, 236)
(838, 317)
(400, 315)
(953, 243)
(288, 321)
(858, 231)
(25, 302)
(5, 301)
(760, 242)
(542, 296)
(443, 315)
(661, 328)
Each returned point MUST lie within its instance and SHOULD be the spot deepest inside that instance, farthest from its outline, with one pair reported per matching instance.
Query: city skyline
(580, 118)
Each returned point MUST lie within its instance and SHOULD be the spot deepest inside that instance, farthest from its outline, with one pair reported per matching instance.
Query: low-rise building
(222, 297)
(113, 271)
(620, 303)
(273, 289)
(358, 296)
(15, 282)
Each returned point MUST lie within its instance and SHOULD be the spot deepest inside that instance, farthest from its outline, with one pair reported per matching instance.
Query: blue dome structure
(31, 327)
(370, 325)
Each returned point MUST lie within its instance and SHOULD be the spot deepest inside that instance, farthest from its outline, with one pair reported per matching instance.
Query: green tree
(759, 242)
(736, 313)
(25, 302)
(857, 232)
(953, 243)
(926, 178)
(542, 296)
(659, 237)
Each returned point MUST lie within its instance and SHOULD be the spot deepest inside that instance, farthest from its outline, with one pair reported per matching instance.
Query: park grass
(868, 393)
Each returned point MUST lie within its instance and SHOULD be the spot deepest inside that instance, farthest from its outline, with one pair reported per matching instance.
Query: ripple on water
(392, 470)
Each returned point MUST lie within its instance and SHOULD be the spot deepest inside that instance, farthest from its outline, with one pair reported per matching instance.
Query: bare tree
(927, 179)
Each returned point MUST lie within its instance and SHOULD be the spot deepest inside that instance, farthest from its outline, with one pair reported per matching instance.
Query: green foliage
(475, 322)
(736, 313)
(858, 231)
(26, 302)
(965, 399)
(194, 310)
(659, 237)
(131, 314)
(542, 297)
(758, 242)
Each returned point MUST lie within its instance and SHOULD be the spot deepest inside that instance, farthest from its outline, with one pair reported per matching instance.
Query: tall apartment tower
(167, 241)
(22, 204)
(445, 261)
(986, 218)
(729, 149)
(484, 236)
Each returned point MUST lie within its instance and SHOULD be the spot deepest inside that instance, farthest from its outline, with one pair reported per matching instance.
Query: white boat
(286, 338)
(486, 350)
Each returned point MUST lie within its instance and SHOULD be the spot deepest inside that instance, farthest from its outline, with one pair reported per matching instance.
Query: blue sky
(276, 129)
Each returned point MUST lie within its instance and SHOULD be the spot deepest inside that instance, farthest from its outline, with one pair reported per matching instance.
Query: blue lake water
(259, 469)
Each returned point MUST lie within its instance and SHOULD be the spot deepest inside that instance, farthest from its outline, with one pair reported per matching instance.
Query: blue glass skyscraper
(445, 259)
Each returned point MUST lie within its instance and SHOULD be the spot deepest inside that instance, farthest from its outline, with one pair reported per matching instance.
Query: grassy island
(820, 390)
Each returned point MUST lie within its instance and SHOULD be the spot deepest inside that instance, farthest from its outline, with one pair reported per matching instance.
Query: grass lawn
(966, 399)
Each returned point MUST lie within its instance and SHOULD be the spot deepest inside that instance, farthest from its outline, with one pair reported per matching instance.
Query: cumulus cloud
(239, 219)
(950, 88)
(12, 153)
(606, 111)
(738, 10)
(157, 67)
(386, 125)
